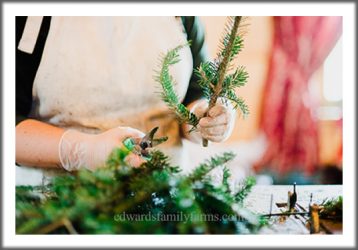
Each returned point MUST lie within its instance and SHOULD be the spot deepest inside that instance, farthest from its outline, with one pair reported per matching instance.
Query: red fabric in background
(300, 46)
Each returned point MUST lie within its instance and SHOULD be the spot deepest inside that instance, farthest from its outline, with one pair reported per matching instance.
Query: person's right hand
(78, 150)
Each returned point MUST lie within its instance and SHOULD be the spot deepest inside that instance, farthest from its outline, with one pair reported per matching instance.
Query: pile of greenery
(152, 199)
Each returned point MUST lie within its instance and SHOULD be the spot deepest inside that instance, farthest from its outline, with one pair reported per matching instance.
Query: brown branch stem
(222, 70)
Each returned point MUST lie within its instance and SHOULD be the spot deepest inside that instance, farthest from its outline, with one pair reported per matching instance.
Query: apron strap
(30, 34)
(27, 64)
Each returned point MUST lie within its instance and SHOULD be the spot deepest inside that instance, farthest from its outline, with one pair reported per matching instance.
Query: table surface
(259, 201)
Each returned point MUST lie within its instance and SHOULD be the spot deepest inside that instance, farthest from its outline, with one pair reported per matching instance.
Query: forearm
(37, 144)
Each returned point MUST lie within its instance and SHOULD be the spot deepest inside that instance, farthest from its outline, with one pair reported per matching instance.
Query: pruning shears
(140, 147)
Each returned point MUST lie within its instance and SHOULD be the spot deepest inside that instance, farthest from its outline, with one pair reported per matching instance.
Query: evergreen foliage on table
(332, 209)
(92, 202)
(214, 77)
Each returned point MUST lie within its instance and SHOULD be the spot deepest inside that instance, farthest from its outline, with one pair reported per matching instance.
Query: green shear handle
(140, 147)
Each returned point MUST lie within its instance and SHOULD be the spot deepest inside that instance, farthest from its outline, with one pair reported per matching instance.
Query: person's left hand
(219, 124)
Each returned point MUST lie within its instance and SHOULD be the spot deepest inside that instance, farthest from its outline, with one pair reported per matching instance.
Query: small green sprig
(204, 168)
(167, 93)
(245, 189)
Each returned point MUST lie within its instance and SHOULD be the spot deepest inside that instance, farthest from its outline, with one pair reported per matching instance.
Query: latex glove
(78, 150)
(219, 124)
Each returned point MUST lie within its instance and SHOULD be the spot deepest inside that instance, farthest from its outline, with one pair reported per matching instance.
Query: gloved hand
(78, 150)
(218, 125)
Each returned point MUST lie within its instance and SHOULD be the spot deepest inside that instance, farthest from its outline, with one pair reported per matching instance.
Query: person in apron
(84, 84)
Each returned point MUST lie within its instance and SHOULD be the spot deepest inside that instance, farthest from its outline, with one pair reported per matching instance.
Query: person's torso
(97, 73)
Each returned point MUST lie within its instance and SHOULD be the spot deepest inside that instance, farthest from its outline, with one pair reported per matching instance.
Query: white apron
(96, 73)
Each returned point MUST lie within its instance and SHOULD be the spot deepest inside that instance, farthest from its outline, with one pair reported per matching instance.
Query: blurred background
(294, 93)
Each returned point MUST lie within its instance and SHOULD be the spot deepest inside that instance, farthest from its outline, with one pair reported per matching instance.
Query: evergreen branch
(231, 48)
(226, 176)
(226, 59)
(214, 162)
(204, 81)
(237, 79)
(238, 102)
(212, 76)
(64, 222)
(168, 94)
(236, 47)
(332, 209)
(245, 190)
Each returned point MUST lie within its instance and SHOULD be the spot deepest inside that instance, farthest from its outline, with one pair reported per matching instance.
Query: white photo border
(10, 10)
